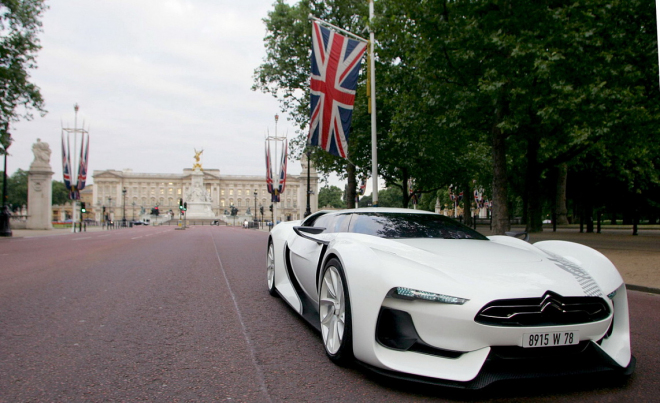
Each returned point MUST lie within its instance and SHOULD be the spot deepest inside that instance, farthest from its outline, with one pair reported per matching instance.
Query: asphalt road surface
(158, 314)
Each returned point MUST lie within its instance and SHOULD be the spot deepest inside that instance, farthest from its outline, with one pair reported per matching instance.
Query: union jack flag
(82, 171)
(269, 171)
(66, 165)
(363, 187)
(282, 181)
(335, 67)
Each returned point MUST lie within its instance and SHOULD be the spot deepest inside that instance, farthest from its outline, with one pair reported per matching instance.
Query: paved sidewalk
(636, 257)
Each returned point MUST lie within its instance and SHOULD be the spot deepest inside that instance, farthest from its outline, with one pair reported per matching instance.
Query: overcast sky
(154, 80)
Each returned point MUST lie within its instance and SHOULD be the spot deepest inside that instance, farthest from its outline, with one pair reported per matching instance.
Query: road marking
(137, 237)
(260, 376)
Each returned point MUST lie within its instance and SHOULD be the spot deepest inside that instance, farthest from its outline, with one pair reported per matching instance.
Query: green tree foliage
(17, 189)
(388, 197)
(19, 27)
(331, 196)
(541, 83)
(60, 194)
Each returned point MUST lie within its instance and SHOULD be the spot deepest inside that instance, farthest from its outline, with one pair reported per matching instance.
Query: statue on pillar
(42, 153)
(197, 163)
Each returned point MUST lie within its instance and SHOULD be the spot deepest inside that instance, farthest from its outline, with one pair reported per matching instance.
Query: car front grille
(549, 310)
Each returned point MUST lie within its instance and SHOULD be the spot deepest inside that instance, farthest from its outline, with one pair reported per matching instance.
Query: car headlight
(411, 294)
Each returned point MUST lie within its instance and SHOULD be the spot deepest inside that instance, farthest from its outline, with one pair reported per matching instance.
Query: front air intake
(549, 310)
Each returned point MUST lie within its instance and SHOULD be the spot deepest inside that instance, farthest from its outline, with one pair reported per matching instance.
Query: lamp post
(308, 210)
(123, 191)
(255, 205)
(133, 211)
(110, 211)
(5, 227)
(261, 210)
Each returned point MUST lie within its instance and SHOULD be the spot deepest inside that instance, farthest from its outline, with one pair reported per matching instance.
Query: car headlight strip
(411, 294)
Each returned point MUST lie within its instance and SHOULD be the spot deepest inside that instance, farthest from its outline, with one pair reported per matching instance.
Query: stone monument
(40, 188)
(197, 198)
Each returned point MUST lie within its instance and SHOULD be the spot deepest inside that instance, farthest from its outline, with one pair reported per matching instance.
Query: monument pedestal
(197, 199)
(40, 197)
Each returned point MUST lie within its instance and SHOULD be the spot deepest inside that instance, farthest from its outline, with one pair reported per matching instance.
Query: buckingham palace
(128, 194)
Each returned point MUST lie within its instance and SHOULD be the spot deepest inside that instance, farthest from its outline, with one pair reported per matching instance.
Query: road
(158, 314)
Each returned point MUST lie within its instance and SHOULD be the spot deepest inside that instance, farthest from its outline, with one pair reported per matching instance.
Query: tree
(285, 74)
(331, 196)
(60, 193)
(17, 189)
(20, 24)
(541, 83)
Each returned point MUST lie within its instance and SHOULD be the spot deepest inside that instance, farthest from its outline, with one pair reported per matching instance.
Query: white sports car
(417, 295)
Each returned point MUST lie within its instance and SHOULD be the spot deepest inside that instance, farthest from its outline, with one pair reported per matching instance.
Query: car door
(305, 253)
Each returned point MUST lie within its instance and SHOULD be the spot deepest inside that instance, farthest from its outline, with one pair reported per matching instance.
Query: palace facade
(128, 194)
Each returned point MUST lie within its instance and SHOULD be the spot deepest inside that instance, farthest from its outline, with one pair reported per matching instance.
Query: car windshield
(411, 225)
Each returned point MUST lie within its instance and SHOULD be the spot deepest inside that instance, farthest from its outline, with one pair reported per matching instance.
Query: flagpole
(372, 72)
(74, 168)
(278, 178)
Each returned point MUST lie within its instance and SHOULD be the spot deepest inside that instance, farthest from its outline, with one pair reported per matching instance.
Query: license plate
(550, 339)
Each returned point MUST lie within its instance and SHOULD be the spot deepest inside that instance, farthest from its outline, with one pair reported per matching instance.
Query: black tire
(270, 269)
(335, 314)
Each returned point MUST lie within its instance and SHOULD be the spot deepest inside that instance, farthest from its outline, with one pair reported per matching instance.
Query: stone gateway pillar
(40, 188)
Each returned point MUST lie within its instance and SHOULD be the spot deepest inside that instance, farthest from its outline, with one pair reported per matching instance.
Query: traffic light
(82, 207)
(185, 206)
(156, 212)
(180, 204)
(261, 210)
(271, 208)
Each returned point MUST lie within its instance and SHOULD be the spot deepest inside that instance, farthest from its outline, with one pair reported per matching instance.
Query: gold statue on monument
(197, 164)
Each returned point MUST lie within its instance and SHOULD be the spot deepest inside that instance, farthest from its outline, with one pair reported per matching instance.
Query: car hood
(483, 267)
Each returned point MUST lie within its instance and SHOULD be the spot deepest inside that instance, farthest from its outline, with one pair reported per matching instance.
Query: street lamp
(308, 210)
(133, 211)
(124, 207)
(255, 205)
(5, 227)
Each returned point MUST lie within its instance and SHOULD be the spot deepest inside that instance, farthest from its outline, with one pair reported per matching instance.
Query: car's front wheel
(335, 313)
(270, 269)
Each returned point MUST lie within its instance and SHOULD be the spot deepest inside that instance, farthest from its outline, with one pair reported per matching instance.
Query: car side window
(333, 222)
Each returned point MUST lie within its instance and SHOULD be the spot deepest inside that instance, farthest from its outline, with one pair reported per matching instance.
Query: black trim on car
(309, 311)
(395, 329)
(592, 361)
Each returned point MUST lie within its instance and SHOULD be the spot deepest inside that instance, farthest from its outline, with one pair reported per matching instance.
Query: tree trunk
(532, 188)
(560, 197)
(351, 191)
(500, 197)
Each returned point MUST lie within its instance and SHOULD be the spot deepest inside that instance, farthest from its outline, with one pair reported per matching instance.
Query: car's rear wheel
(335, 313)
(270, 269)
